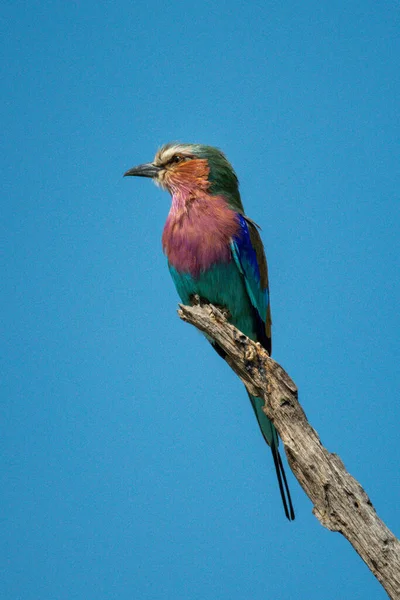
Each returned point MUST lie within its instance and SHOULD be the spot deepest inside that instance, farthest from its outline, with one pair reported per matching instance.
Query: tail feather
(271, 437)
(283, 484)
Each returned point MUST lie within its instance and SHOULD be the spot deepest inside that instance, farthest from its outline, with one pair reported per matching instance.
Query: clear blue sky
(132, 466)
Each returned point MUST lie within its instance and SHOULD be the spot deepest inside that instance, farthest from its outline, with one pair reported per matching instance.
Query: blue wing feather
(246, 260)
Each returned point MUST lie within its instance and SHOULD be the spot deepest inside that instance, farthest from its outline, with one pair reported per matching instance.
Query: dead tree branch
(340, 503)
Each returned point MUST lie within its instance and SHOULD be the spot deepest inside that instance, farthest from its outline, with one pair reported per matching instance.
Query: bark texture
(340, 503)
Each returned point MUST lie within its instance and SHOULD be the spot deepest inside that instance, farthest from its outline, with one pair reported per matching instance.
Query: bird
(215, 254)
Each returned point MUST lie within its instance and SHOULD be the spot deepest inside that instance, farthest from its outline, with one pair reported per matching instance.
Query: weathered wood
(340, 503)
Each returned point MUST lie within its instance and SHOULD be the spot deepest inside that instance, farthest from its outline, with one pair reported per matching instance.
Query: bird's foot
(197, 300)
(215, 309)
(216, 312)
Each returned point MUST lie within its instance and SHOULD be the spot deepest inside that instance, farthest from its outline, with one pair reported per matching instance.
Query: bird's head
(187, 168)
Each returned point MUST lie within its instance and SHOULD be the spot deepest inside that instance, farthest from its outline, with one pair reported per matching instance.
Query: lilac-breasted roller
(214, 252)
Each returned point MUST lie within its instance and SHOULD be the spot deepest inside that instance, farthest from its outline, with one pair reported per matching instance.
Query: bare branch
(340, 503)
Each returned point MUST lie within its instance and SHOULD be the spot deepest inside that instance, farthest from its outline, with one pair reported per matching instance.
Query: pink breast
(198, 236)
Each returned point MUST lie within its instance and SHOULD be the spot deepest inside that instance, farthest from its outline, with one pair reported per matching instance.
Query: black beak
(146, 170)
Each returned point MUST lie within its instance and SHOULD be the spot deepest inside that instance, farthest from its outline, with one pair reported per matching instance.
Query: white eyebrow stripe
(165, 153)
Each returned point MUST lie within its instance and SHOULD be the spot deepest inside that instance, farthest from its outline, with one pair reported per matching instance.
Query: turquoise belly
(222, 285)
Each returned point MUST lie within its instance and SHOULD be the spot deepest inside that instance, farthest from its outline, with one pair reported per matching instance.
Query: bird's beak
(146, 170)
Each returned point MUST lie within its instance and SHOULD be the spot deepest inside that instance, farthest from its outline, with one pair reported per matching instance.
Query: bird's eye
(177, 158)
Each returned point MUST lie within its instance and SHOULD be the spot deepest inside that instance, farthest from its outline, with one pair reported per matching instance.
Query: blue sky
(132, 463)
